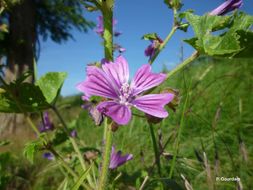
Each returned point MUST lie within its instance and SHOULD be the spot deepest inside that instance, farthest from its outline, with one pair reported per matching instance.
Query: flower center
(125, 96)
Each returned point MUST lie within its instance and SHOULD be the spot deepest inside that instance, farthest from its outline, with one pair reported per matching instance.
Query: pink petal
(153, 104)
(98, 84)
(121, 114)
(118, 70)
(144, 79)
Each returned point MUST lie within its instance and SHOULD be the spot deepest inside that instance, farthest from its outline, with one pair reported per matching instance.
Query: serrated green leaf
(246, 42)
(28, 96)
(31, 98)
(206, 24)
(242, 21)
(50, 84)
(30, 149)
(221, 45)
(193, 43)
(227, 43)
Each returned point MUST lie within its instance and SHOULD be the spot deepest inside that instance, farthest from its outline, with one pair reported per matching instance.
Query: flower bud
(114, 127)
(174, 4)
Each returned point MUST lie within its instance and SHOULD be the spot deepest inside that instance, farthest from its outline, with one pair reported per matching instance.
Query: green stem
(107, 11)
(178, 137)
(29, 121)
(80, 157)
(162, 46)
(157, 156)
(108, 30)
(183, 64)
(74, 144)
(106, 158)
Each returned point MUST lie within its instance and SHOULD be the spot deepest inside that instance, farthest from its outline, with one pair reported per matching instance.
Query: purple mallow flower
(100, 27)
(226, 7)
(112, 82)
(46, 124)
(151, 49)
(117, 159)
(48, 155)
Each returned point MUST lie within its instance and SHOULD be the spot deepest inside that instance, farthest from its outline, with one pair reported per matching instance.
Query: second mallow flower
(153, 47)
(111, 82)
(117, 159)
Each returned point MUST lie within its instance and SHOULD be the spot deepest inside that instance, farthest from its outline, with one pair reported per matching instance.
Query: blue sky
(134, 20)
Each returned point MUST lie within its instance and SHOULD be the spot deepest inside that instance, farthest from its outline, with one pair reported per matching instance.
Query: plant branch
(157, 156)
(162, 46)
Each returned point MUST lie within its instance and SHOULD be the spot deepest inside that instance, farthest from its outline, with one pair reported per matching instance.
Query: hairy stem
(106, 158)
(107, 11)
(108, 30)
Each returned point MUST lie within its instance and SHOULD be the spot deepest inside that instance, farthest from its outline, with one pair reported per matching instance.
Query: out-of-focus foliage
(20, 96)
(56, 19)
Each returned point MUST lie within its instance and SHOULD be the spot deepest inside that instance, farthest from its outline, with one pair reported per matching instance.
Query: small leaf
(150, 36)
(59, 137)
(182, 15)
(50, 84)
(183, 27)
(30, 149)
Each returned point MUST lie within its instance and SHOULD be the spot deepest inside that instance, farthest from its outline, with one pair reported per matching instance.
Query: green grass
(217, 120)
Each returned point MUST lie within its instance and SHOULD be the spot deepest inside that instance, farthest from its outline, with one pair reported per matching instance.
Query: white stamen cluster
(125, 94)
